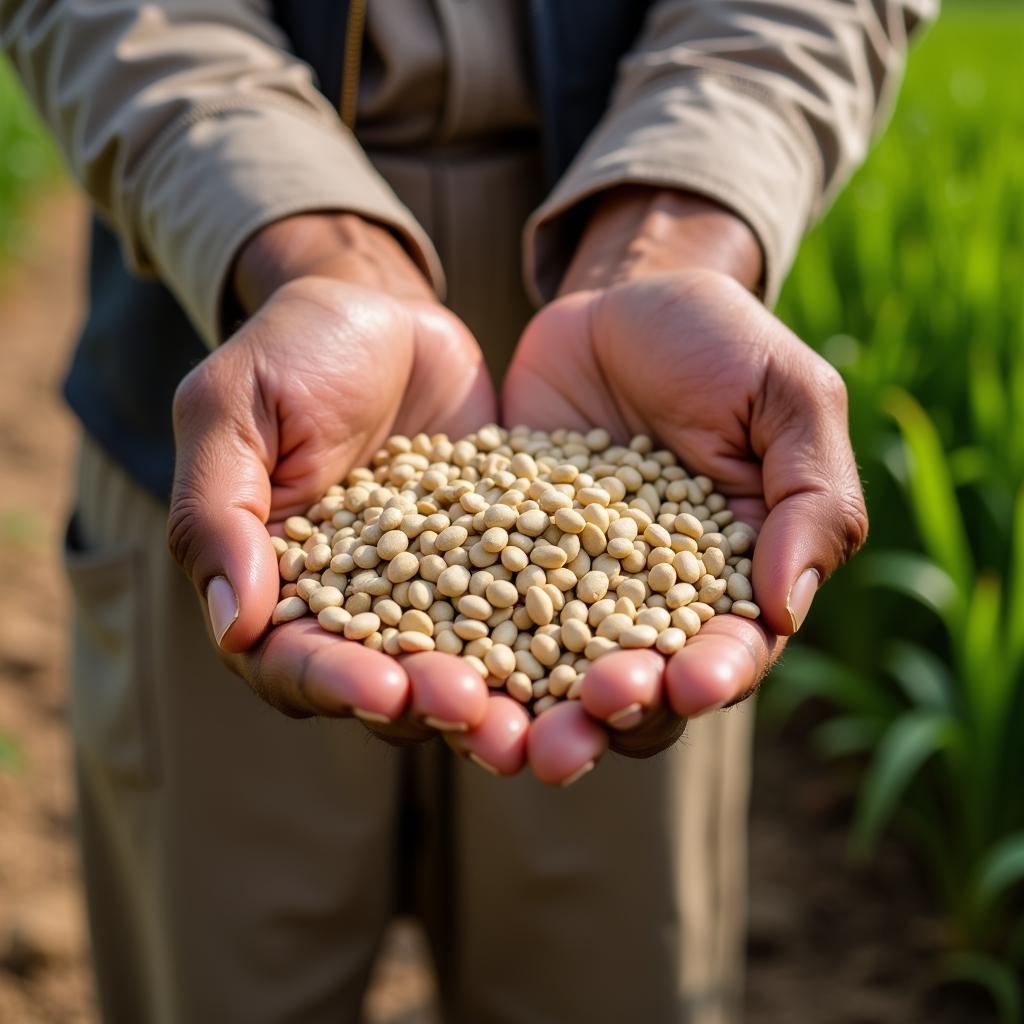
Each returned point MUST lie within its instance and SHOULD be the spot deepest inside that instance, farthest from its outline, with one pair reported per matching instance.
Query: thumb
(219, 506)
(816, 515)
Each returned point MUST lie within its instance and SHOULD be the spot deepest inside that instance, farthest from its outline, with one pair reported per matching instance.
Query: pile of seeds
(529, 554)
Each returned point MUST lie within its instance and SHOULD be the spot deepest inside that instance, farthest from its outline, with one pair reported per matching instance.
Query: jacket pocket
(112, 712)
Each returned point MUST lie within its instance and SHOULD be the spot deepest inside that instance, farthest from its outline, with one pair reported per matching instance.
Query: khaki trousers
(242, 866)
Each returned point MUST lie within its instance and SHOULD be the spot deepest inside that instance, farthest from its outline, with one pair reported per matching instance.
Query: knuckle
(183, 529)
(853, 523)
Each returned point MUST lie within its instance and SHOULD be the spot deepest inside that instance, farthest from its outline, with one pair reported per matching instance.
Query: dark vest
(137, 344)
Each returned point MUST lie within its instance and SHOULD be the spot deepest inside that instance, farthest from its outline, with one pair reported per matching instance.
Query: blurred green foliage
(28, 157)
(913, 287)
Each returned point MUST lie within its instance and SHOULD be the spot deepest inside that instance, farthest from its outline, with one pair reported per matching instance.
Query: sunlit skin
(346, 345)
(693, 360)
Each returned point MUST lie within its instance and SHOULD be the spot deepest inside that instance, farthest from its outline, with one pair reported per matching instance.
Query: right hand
(310, 386)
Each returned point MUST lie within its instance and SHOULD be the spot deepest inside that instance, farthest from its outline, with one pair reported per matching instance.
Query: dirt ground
(826, 946)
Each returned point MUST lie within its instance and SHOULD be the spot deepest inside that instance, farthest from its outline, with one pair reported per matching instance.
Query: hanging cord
(353, 57)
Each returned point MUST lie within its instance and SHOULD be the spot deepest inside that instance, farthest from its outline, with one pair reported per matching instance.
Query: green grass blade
(915, 576)
(922, 675)
(934, 502)
(993, 975)
(1015, 592)
(847, 735)
(1001, 869)
(805, 673)
(907, 745)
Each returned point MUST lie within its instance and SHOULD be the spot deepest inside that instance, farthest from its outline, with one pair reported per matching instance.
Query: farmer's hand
(346, 345)
(656, 333)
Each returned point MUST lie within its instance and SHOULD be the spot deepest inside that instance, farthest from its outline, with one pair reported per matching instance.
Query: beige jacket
(191, 126)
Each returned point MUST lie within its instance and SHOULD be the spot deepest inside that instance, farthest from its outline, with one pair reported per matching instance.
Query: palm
(309, 388)
(690, 362)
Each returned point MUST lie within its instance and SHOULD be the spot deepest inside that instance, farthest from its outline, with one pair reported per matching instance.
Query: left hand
(653, 343)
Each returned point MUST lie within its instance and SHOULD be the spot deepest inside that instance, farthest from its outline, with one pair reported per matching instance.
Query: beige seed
(412, 642)
(620, 547)
(477, 665)
(638, 636)
(612, 626)
(298, 528)
(681, 594)
(494, 540)
(539, 605)
(421, 594)
(474, 607)
(402, 567)
(292, 564)
(634, 590)
(307, 587)
(325, 597)
(333, 619)
(687, 620)
(670, 640)
(688, 567)
(575, 635)
(449, 642)
(360, 626)
(532, 523)
(548, 556)
(714, 561)
(500, 661)
(528, 664)
(501, 594)
(568, 520)
(392, 543)
(450, 538)
(416, 621)
(519, 687)
(598, 647)
(545, 649)
(662, 577)
(454, 581)
(701, 610)
(592, 587)
(710, 589)
(739, 589)
(659, 618)
(289, 609)
(560, 679)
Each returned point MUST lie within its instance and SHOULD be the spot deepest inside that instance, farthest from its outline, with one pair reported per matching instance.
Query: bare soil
(826, 946)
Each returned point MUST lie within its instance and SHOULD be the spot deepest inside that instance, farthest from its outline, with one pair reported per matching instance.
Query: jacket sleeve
(766, 107)
(190, 126)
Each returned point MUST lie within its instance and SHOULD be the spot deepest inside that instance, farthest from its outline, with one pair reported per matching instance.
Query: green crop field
(914, 287)
(28, 159)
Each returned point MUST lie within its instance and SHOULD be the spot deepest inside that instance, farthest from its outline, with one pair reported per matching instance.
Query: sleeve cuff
(711, 134)
(228, 171)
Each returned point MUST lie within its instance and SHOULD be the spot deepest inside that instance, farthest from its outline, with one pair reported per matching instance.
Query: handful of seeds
(529, 554)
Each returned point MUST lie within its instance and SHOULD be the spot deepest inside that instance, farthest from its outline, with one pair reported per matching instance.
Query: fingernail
(481, 763)
(578, 774)
(371, 716)
(443, 725)
(628, 717)
(223, 605)
(801, 594)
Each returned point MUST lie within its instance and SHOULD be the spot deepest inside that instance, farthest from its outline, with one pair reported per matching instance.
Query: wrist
(342, 246)
(637, 231)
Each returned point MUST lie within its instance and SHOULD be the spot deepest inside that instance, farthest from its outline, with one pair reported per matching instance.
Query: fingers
(625, 692)
(719, 666)
(498, 743)
(564, 744)
(447, 693)
(816, 517)
(219, 504)
(302, 670)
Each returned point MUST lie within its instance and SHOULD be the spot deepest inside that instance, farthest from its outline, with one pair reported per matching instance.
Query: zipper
(354, 26)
